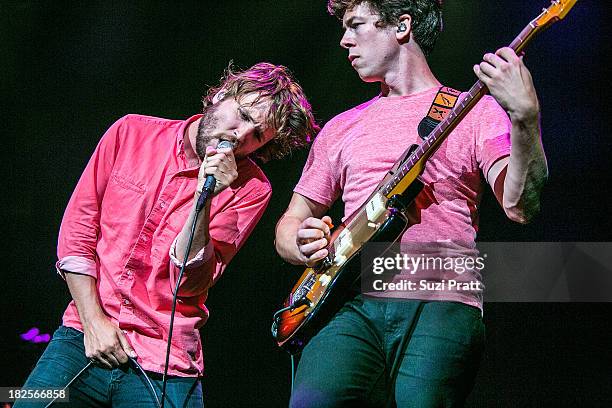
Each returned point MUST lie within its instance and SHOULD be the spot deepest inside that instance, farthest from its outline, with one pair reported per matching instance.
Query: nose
(347, 40)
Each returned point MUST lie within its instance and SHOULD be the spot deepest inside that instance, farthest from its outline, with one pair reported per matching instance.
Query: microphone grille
(225, 144)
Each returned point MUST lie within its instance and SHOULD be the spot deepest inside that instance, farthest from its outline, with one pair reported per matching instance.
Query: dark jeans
(383, 353)
(97, 387)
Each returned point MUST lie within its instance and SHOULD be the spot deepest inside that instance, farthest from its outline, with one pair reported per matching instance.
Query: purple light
(43, 338)
(30, 334)
(33, 336)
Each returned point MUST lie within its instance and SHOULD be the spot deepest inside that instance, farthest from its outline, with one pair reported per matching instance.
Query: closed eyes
(244, 115)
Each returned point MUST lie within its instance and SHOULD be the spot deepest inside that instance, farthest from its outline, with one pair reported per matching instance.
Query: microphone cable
(70, 382)
(207, 190)
(149, 383)
(204, 195)
(90, 363)
(176, 289)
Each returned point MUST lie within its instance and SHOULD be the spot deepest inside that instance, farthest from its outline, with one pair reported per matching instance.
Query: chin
(368, 78)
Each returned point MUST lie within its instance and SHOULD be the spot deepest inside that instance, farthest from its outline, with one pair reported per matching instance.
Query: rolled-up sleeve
(229, 229)
(78, 235)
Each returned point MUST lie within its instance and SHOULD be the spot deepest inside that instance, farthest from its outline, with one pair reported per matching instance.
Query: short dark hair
(426, 16)
(290, 113)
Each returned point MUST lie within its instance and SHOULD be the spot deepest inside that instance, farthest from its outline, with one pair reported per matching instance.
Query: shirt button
(162, 204)
(128, 272)
(144, 238)
(126, 302)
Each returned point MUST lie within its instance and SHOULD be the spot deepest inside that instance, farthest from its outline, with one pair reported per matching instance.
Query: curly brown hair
(289, 112)
(426, 16)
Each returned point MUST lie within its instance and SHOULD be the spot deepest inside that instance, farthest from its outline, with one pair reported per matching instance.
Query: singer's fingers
(112, 360)
(217, 171)
(218, 161)
(121, 356)
(225, 178)
(222, 157)
(101, 361)
(125, 345)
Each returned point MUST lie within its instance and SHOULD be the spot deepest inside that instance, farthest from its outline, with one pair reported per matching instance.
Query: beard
(206, 130)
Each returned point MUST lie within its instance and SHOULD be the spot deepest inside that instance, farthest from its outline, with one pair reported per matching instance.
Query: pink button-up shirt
(122, 219)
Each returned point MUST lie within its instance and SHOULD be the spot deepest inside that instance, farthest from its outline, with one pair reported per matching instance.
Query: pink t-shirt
(355, 150)
(124, 215)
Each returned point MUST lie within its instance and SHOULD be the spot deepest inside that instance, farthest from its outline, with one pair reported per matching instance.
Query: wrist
(90, 318)
(525, 117)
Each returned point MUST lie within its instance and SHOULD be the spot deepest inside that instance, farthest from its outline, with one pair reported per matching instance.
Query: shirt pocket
(124, 195)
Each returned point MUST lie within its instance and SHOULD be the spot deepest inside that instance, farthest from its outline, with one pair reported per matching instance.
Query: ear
(404, 28)
(219, 96)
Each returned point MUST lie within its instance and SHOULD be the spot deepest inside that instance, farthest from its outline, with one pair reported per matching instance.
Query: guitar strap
(445, 100)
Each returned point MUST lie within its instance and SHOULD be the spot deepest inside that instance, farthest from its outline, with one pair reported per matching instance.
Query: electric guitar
(322, 289)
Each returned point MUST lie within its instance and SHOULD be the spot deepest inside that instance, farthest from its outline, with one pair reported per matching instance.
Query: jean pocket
(67, 333)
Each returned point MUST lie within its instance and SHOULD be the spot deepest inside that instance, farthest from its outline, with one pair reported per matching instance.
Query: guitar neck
(414, 165)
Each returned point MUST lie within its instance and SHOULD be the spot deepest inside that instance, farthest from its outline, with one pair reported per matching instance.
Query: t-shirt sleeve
(320, 180)
(493, 134)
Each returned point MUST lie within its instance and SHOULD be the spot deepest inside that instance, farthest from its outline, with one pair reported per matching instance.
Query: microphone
(210, 182)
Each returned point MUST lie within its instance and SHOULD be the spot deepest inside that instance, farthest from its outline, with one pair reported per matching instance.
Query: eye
(243, 114)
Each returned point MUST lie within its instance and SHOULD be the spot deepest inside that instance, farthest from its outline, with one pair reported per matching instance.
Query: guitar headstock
(556, 11)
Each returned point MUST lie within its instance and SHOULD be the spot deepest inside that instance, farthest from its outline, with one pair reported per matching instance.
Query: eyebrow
(350, 21)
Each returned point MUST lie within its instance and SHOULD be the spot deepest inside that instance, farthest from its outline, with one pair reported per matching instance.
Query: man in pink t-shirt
(126, 233)
(423, 350)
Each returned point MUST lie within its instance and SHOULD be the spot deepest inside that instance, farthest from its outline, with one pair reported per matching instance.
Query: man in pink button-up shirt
(126, 230)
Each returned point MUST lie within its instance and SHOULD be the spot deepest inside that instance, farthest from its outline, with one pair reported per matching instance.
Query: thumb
(327, 220)
(125, 344)
(210, 151)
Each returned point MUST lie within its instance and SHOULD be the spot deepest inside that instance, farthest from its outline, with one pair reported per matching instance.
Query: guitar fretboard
(462, 108)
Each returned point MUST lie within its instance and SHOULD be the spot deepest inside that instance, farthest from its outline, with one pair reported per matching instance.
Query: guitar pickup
(343, 246)
(376, 208)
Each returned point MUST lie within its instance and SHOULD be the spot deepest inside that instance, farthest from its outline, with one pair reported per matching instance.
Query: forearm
(285, 240)
(527, 170)
(104, 342)
(201, 235)
(85, 294)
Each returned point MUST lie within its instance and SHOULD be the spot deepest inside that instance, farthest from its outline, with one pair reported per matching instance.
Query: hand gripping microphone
(210, 182)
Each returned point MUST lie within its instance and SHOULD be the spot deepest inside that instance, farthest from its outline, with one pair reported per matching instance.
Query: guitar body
(321, 291)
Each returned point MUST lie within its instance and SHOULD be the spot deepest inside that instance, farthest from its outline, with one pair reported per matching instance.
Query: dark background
(69, 71)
